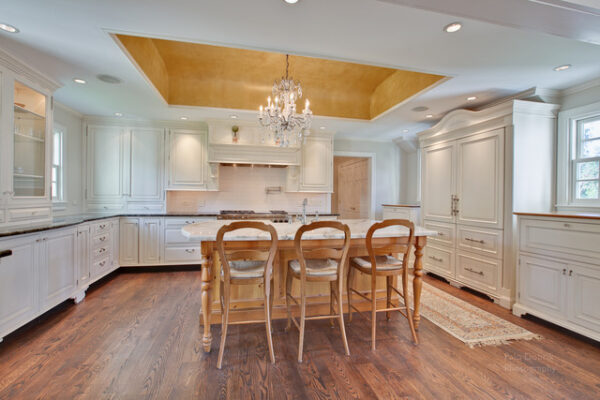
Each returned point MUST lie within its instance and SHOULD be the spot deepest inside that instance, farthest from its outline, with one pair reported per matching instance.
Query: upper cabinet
(317, 164)
(146, 161)
(105, 163)
(187, 160)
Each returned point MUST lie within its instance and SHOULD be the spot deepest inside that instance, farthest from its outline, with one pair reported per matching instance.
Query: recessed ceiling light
(562, 67)
(405, 130)
(183, 118)
(420, 109)
(322, 128)
(80, 81)
(453, 27)
(109, 79)
(291, 1)
(429, 116)
(8, 28)
(233, 116)
(471, 98)
(118, 114)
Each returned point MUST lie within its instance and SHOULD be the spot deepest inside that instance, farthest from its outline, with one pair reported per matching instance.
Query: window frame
(568, 155)
(577, 158)
(60, 181)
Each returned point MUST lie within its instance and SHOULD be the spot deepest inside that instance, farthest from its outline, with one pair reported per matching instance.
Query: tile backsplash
(244, 188)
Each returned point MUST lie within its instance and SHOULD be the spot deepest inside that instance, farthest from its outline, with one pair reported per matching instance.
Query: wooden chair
(381, 263)
(246, 267)
(318, 265)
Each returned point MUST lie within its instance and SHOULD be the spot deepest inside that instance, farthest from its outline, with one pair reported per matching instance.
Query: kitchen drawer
(145, 207)
(103, 239)
(487, 242)
(174, 236)
(101, 251)
(439, 260)
(20, 214)
(445, 232)
(102, 266)
(115, 207)
(103, 226)
(562, 238)
(477, 271)
(182, 221)
(189, 254)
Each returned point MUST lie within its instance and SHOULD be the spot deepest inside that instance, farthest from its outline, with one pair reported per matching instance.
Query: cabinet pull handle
(436, 259)
(102, 264)
(5, 253)
(570, 272)
(441, 234)
(190, 251)
(103, 238)
(567, 225)
(564, 271)
(474, 240)
(102, 226)
(473, 271)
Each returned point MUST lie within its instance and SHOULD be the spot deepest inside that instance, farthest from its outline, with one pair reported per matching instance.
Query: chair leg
(225, 321)
(331, 298)
(341, 316)
(373, 310)
(407, 304)
(271, 300)
(302, 320)
(268, 298)
(349, 286)
(288, 292)
(389, 284)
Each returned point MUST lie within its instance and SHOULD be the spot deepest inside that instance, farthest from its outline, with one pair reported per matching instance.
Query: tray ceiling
(192, 74)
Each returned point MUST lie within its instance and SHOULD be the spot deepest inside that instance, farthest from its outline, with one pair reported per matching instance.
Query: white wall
(73, 161)
(409, 182)
(387, 168)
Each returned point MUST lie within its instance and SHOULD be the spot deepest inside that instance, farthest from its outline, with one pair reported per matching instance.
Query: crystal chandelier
(280, 117)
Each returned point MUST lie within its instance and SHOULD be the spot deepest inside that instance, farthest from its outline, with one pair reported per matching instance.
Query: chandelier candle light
(280, 117)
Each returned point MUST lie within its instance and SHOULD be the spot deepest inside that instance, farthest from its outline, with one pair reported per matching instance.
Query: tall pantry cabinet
(478, 167)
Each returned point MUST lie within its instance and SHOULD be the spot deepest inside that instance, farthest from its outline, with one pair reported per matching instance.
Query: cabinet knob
(570, 272)
(564, 272)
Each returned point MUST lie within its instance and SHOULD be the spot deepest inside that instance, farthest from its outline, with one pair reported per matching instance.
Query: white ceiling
(70, 38)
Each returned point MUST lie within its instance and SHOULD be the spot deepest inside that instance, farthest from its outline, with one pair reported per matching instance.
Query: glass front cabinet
(26, 145)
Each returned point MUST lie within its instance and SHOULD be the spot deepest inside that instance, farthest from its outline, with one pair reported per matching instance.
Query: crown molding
(21, 68)
(580, 88)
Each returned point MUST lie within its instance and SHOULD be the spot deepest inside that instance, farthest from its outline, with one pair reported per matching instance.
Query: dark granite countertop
(76, 219)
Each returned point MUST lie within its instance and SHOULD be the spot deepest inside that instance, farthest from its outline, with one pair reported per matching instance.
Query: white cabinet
(129, 241)
(145, 176)
(552, 282)
(187, 160)
(151, 241)
(105, 162)
(58, 267)
(410, 213)
(439, 182)
(84, 273)
(19, 280)
(316, 171)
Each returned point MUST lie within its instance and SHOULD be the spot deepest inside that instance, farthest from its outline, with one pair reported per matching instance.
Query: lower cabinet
(84, 273)
(57, 254)
(129, 241)
(151, 241)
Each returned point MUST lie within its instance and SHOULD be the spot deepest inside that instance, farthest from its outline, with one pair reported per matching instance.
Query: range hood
(224, 153)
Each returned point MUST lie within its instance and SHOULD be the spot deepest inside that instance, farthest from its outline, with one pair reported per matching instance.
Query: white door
(105, 163)
(150, 241)
(317, 165)
(480, 179)
(438, 182)
(83, 256)
(146, 174)
(584, 296)
(18, 283)
(129, 241)
(187, 159)
(542, 285)
(58, 267)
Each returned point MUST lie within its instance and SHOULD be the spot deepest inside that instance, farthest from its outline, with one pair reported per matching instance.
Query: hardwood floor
(136, 335)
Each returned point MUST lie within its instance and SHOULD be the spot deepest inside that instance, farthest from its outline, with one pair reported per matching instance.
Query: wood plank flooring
(136, 336)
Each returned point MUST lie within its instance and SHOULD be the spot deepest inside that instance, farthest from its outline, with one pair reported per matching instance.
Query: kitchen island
(206, 233)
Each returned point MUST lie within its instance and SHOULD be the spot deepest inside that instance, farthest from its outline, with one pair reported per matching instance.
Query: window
(586, 160)
(57, 164)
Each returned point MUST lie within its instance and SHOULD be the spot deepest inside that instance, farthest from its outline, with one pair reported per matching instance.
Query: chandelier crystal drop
(284, 125)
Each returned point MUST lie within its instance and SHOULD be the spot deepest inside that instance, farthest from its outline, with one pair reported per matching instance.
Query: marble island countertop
(207, 231)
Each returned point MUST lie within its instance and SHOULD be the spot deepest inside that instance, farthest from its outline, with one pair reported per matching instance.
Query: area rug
(466, 322)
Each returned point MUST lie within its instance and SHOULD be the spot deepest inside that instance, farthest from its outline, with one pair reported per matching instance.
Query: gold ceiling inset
(191, 74)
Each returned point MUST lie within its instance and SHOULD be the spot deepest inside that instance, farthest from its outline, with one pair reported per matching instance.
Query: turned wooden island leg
(418, 281)
(206, 297)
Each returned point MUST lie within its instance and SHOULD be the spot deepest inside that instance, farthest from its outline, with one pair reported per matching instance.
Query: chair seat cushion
(250, 269)
(316, 267)
(384, 263)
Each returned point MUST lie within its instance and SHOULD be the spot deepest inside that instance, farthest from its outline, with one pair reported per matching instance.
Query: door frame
(372, 179)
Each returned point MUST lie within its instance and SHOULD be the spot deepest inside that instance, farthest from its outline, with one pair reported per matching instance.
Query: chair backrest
(339, 253)
(247, 255)
(388, 249)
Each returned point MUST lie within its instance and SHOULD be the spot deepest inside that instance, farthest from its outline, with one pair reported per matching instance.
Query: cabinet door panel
(146, 164)
(480, 179)
(187, 158)
(542, 284)
(59, 272)
(129, 239)
(438, 182)
(104, 163)
(150, 241)
(18, 284)
(584, 296)
(83, 255)
(317, 165)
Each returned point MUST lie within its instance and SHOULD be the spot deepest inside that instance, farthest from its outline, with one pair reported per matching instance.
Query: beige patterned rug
(466, 322)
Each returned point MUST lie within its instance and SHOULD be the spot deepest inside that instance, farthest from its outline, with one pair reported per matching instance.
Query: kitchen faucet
(304, 203)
